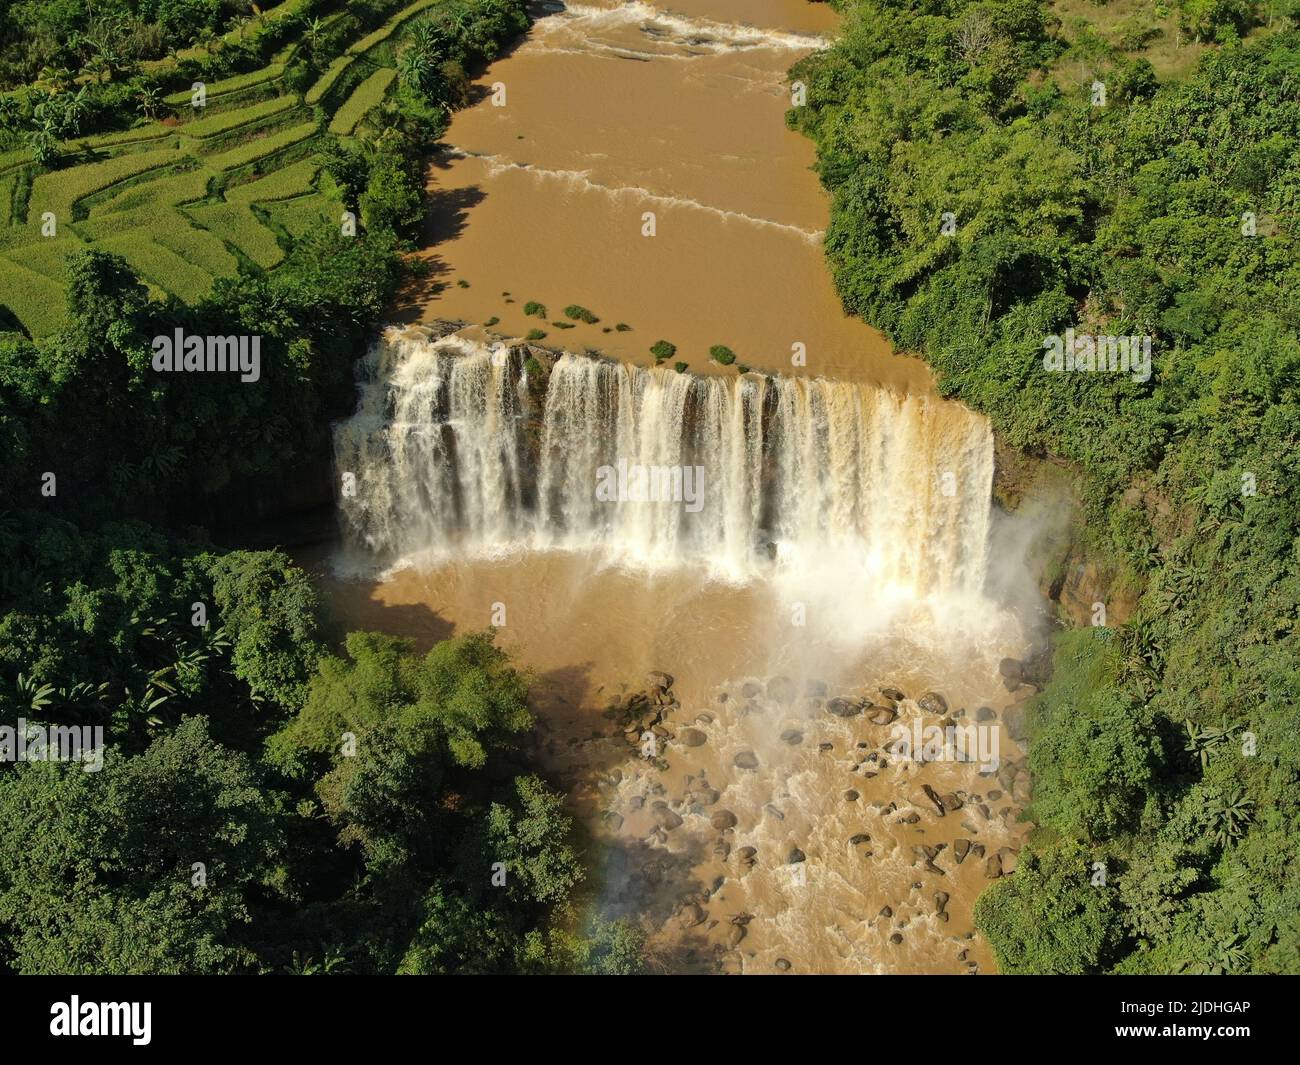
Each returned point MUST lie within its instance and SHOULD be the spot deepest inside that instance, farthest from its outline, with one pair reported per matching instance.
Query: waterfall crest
(459, 450)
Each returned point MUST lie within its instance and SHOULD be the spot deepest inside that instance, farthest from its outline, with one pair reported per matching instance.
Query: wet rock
(933, 796)
(783, 965)
(750, 690)
(1014, 718)
(909, 819)
(704, 795)
(796, 856)
(792, 736)
(842, 707)
(693, 737)
(659, 680)
(723, 820)
(704, 719)
(993, 867)
(666, 818)
(886, 912)
(893, 694)
(613, 820)
(933, 703)
(960, 848)
(850, 795)
(1008, 859)
(940, 901)
(735, 934)
(977, 850)
(637, 802)
(781, 690)
(747, 855)
(824, 747)
(896, 938)
(994, 795)
(691, 914)
(985, 713)
(951, 801)
(775, 811)
(745, 760)
(861, 837)
(881, 715)
(1011, 669)
(721, 850)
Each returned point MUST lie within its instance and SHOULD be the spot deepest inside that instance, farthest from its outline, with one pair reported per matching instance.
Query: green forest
(276, 797)
(1100, 182)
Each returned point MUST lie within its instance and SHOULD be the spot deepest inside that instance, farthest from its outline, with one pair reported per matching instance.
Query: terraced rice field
(199, 195)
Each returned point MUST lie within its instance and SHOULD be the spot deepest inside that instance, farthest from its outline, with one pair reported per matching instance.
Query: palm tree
(149, 101)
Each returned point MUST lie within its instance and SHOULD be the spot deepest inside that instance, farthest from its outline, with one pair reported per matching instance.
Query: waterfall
(459, 450)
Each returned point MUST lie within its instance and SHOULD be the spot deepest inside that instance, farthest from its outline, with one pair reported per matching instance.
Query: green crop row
(35, 300)
(229, 121)
(198, 246)
(236, 224)
(364, 97)
(169, 191)
(60, 190)
(326, 81)
(386, 30)
(264, 147)
(293, 180)
(48, 256)
(160, 266)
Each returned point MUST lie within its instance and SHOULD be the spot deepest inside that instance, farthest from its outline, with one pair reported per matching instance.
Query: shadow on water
(446, 215)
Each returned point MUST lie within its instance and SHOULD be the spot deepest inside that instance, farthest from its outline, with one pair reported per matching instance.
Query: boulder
(745, 760)
(659, 680)
(792, 736)
(796, 856)
(691, 914)
(850, 795)
(933, 703)
(933, 796)
(723, 820)
(666, 819)
(960, 848)
(881, 715)
(613, 820)
(1008, 859)
(1011, 669)
(893, 694)
(861, 837)
(747, 855)
(940, 901)
(842, 707)
(783, 965)
(993, 867)
(749, 689)
(693, 737)
(985, 713)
